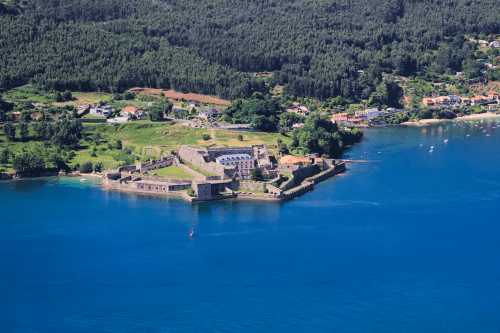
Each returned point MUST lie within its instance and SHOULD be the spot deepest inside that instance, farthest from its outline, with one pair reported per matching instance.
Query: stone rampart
(328, 173)
(274, 190)
(165, 161)
(195, 174)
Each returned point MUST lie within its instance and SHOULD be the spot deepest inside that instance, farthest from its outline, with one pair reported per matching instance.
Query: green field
(230, 138)
(171, 172)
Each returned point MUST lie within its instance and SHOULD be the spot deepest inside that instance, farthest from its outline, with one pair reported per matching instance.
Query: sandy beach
(425, 122)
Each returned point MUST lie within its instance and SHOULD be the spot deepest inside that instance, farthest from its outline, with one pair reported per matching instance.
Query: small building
(239, 161)
(483, 43)
(459, 74)
(495, 44)
(454, 99)
(206, 113)
(177, 108)
(130, 109)
(372, 113)
(492, 106)
(139, 114)
(465, 100)
(193, 105)
(362, 114)
(428, 101)
(493, 95)
(297, 125)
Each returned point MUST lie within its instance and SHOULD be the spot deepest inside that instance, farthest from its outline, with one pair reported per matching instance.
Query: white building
(206, 113)
(372, 113)
(240, 161)
(177, 108)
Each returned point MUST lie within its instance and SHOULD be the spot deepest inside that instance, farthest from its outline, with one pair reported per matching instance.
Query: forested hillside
(315, 48)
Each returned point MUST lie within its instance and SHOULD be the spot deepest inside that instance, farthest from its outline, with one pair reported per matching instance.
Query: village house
(483, 43)
(131, 109)
(206, 113)
(465, 100)
(495, 44)
(177, 108)
(492, 106)
(193, 105)
(459, 74)
(140, 114)
(493, 95)
(362, 114)
(297, 125)
(454, 99)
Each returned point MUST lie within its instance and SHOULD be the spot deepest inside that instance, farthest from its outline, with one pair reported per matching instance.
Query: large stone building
(239, 161)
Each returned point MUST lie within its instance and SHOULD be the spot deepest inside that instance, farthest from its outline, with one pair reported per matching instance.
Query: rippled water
(408, 242)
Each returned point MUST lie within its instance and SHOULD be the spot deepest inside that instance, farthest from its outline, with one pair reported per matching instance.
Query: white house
(240, 161)
(206, 113)
(177, 108)
(454, 99)
(495, 44)
(297, 125)
(372, 113)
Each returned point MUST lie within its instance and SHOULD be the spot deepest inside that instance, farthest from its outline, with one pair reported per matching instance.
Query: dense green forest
(315, 48)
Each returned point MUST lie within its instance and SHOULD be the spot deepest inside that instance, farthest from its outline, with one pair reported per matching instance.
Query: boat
(468, 134)
(432, 147)
(445, 140)
(83, 180)
(191, 233)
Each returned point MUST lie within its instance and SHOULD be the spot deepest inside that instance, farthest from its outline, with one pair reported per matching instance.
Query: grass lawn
(171, 172)
(197, 169)
(90, 116)
(230, 138)
(165, 134)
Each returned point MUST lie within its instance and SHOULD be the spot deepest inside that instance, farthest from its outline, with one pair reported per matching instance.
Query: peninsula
(222, 173)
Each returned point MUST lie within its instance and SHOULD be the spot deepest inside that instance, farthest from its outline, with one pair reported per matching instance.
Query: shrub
(86, 167)
(191, 192)
(98, 166)
(206, 137)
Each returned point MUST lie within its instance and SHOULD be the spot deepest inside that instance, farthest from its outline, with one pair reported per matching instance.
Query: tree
(240, 137)
(155, 114)
(59, 97)
(96, 138)
(23, 130)
(118, 144)
(256, 175)
(127, 95)
(4, 157)
(25, 116)
(9, 130)
(98, 166)
(206, 137)
(67, 95)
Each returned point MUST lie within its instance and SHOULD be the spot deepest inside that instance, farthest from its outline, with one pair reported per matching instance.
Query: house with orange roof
(465, 100)
(428, 101)
(362, 114)
(130, 109)
(476, 100)
(492, 106)
(494, 95)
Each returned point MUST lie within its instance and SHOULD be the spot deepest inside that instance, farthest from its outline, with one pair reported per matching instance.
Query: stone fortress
(212, 180)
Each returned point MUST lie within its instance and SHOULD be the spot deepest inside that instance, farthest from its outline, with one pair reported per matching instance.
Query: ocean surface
(406, 243)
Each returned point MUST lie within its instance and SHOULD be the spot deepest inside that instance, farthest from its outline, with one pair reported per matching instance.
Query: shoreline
(425, 122)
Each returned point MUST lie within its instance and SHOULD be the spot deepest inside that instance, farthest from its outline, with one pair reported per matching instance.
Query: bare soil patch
(175, 95)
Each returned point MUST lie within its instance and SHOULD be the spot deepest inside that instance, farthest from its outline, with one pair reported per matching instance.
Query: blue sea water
(406, 243)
